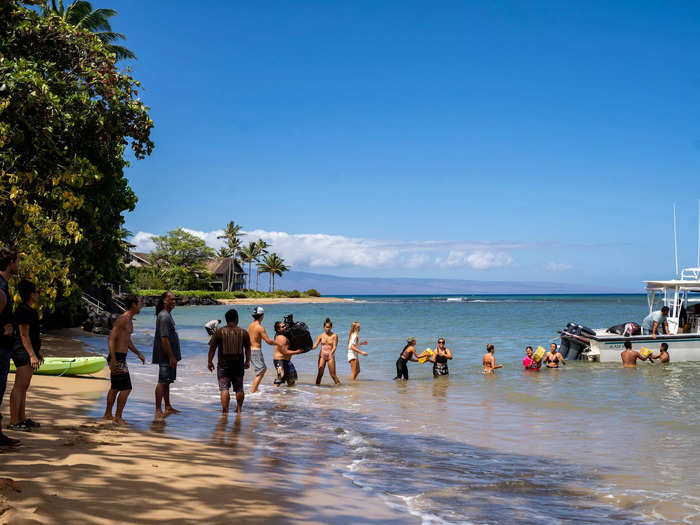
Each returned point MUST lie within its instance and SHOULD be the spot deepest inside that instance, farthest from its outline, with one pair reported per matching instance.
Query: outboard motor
(571, 348)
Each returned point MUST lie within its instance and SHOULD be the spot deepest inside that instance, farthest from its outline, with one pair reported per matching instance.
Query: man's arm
(212, 351)
(164, 333)
(654, 329)
(265, 338)
(136, 351)
(246, 345)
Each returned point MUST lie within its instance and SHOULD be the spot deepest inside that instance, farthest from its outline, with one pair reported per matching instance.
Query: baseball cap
(258, 310)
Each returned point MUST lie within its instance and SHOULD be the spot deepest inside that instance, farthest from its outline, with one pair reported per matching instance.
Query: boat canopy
(681, 284)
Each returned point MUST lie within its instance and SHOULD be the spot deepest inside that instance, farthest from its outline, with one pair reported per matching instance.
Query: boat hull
(682, 347)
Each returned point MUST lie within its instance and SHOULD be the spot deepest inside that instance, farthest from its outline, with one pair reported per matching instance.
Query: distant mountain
(335, 285)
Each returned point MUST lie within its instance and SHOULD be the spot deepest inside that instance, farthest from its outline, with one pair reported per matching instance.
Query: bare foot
(171, 410)
(107, 417)
(119, 421)
(159, 416)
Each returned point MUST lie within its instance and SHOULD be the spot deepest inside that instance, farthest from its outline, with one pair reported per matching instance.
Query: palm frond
(108, 37)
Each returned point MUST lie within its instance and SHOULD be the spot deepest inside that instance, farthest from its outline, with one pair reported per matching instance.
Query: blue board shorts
(167, 373)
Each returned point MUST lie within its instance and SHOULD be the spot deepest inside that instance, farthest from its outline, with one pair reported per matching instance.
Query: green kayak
(69, 366)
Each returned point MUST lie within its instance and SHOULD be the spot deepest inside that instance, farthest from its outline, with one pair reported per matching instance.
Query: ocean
(589, 442)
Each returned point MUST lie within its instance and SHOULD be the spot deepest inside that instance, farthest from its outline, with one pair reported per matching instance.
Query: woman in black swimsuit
(553, 357)
(439, 359)
(407, 354)
(25, 355)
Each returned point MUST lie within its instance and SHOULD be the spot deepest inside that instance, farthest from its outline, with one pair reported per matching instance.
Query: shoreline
(281, 300)
(77, 468)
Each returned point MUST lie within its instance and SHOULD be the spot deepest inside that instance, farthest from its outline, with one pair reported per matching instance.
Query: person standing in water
(439, 359)
(529, 362)
(257, 334)
(553, 357)
(354, 350)
(489, 361)
(233, 344)
(166, 353)
(629, 357)
(662, 356)
(119, 344)
(282, 356)
(407, 354)
(25, 355)
(329, 342)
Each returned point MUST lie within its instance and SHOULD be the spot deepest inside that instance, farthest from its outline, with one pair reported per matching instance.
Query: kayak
(69, 366)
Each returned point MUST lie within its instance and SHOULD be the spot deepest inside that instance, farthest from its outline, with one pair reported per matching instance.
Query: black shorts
(230, 376)
(166, 373)
(20, 356)
(285, 372)
(120, 381)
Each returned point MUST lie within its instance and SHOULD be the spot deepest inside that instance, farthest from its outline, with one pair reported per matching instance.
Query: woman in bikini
(553, 357)
(489, 360)
(407, 354)
(354, 351)
(439, 359)
(329, 342)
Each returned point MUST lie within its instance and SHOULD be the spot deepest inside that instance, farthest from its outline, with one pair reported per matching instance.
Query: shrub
(312, 293)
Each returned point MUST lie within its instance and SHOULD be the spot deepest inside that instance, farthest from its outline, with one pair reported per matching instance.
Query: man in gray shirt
(166, 353)
(655, 322)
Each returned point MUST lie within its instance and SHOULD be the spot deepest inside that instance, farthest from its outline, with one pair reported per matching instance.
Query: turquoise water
(589, 442)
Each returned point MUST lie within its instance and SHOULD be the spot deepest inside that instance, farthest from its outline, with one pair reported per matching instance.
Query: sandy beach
(79, 469)
(286, 300)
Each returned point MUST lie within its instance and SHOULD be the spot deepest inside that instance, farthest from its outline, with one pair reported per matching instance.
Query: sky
(538, 141)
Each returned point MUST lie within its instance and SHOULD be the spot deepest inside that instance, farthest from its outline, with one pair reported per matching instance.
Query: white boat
(682, 296)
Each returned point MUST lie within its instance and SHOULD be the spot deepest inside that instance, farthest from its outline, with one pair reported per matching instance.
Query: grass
(236, 295)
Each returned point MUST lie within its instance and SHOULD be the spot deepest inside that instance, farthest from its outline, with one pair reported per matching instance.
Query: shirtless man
(257, 334)
(119, 344)
(662, 356)
(489, 361)
(629, 357)
(282, 356)
(553, 357)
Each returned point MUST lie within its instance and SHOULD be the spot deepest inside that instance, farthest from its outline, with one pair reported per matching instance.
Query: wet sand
(78, 469)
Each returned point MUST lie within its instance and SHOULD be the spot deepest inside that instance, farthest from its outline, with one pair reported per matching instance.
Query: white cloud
(144, 242)
(320, 250)
(557, 267)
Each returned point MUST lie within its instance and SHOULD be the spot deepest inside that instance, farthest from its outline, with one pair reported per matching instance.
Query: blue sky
(501, 140)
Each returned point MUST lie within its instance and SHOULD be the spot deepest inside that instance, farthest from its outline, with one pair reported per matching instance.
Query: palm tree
(274, 265)
(232, 232)
(81, 15)
(261, 249)
(248, 255)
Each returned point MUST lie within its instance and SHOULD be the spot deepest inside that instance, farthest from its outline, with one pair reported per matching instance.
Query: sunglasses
(441, 342)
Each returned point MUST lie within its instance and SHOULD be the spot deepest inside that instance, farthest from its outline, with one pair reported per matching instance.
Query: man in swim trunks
(629, 357)
(282, 356)
(233, 343)
(119, 344)
(662, 356)
(257, 334)
(489, 361)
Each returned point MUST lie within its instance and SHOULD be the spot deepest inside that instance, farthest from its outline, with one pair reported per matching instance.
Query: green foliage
(312, 293)
(273, 265)
(66, 117)
(179, 260)
(81, 15)
(250, 294)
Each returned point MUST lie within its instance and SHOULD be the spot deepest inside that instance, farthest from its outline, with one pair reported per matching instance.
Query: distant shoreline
(280, 300)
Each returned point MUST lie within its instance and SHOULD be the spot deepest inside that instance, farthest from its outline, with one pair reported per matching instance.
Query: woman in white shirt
(354, 351)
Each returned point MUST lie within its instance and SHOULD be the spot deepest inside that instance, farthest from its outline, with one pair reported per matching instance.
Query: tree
(273, 264)
(67, 116)
(261, 250)
(180, 259)
(81, 15)
(231, 234)
(248, 255)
